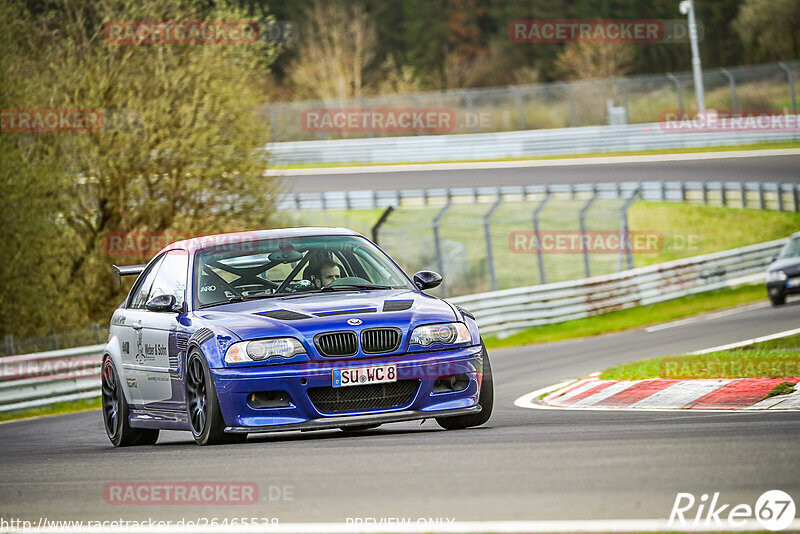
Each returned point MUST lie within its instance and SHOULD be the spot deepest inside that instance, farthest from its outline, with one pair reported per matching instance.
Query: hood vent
(397, 305)
(345, 312)
(284, 315)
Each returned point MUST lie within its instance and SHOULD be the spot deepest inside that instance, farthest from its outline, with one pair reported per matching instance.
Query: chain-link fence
(636, 99)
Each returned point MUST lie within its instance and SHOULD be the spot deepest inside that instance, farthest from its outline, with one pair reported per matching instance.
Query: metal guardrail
(41, 379)
(516, 144)
(506, 311)
(45, 378)
(777, 196)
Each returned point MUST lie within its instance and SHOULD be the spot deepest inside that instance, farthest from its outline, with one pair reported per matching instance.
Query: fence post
(582, 223)
(705, 193)
(722, 192)
(8, 341)
(678, 89)
(732, 84)
(468, 101)
(623, 96)
(780, 196)
(743, 193)
(415, 101)
(437, 242)
(573, 115)
(624, 233)
(523, 125)
(488, 236)
(790, 78)
(761, 200)
(539, 253)
(385, 215)
(273, 123)
(796, 194)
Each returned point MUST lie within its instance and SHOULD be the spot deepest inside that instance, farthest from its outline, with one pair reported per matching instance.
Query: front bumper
(234, 385)
(783, 287)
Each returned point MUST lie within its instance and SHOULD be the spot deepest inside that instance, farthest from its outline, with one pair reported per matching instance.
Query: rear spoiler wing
(125, 270)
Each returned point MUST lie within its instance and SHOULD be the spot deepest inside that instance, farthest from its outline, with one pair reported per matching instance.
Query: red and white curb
(664, 394)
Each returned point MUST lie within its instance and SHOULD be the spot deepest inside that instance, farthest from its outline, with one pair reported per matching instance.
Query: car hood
(305, 316)
(791, 266)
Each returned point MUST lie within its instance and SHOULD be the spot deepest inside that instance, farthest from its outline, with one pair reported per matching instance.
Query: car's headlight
(776, 276)
(446, 333)
(263, 349)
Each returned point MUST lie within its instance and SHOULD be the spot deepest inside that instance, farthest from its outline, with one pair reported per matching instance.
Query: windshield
(791, 249)
(288, 266)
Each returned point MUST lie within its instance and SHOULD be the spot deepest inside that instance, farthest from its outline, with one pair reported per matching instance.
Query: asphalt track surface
(524, 464)
(784, 168)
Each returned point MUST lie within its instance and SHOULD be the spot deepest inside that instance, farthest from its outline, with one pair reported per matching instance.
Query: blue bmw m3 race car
(290, 329)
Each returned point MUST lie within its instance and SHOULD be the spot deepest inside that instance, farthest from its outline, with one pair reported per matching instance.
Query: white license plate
(793, 282)
(359, 376)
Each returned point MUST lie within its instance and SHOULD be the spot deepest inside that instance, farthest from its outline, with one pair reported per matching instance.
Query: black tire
(359, 428)
(202, 405)
(485, 400)
(116, 412)
(778, 299)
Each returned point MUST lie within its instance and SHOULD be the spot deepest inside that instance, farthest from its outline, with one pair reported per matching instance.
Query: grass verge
(778, 358)
(617, 321)
(55, 409)
(753, 146)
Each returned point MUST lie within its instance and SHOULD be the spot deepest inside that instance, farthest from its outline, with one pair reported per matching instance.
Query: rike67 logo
(774, 510)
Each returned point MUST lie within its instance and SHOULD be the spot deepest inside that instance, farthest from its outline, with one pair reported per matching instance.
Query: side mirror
(163, 303)
(427, 279)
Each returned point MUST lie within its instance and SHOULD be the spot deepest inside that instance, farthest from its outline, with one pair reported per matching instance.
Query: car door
(159, 381)
(128, 325)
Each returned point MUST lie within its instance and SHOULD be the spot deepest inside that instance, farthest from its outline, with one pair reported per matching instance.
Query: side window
(142, 291)
(171, 276)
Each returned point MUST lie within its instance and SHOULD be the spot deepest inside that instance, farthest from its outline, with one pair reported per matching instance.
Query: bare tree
(337, 44)
(594, 60)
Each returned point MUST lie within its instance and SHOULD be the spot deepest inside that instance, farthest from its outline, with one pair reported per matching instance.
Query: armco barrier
(503, 312)
(41, 379)
(518, 144)
(45, 378)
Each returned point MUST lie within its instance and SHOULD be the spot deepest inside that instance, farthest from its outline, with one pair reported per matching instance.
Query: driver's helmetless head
(328, 272)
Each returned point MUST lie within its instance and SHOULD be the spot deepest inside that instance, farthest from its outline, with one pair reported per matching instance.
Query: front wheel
(115, 412)
(777, 299)
(485, 400)
(202, 404)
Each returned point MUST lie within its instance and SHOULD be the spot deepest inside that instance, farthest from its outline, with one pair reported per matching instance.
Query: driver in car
(325, 272)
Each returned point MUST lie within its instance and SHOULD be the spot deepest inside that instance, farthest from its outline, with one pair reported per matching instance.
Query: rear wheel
(115, 412)
(485, 400)
(202, 404)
